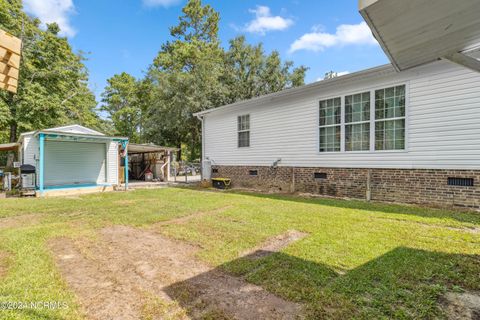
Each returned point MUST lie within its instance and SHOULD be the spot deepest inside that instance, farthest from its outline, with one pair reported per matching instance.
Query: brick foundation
(421, 186)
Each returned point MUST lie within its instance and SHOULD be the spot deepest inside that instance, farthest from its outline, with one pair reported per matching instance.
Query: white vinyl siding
(30, 150)
(69, 163)
(112, 163)
(442, 128)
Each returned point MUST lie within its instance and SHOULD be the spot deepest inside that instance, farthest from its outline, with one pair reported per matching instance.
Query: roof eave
(378, 37)
(379, 70)
(69, 134)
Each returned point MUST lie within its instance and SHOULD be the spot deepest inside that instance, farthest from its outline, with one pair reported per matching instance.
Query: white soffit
(416, 32)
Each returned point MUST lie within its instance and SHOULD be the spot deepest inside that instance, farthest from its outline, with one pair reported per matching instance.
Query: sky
(126, 35)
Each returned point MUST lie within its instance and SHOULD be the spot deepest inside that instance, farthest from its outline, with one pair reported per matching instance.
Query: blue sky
(126, 35)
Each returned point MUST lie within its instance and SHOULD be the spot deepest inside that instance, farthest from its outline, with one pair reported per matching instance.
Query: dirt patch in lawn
(275, 244)
(462, 306)
(3, 263)
(115, 278)
(19, 221)
(185, 219)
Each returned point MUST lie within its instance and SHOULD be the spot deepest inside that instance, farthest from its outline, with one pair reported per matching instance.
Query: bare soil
(275, 244)
(115, 278)
(19, 221)
(3, 263)
(185, 219)
(462, 306)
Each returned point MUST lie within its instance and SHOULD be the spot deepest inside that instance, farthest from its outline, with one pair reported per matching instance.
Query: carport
(149, 157)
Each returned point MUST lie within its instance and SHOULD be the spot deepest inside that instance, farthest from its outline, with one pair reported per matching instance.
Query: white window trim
(341, 125)
(249, 130)
(369, 121)
(372, 119)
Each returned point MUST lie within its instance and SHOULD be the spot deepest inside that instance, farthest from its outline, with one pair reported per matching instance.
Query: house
(405, 132)
(73, 159)
(410, 136)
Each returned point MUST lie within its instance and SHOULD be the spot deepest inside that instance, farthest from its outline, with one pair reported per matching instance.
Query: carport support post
(126, 165)
(41, 163)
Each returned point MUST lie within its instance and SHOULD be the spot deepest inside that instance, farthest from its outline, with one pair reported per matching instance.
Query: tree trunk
(10, 159)
(179, 152)
(13, 132)
(12, 139)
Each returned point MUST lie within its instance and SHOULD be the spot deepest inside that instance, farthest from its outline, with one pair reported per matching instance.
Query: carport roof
(147, 148)
(416, 32)
(9, 146)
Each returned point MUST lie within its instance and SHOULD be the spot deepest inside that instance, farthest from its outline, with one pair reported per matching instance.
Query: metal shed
(72, 158)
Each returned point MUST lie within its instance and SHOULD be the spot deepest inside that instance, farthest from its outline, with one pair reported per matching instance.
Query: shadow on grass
(403, 283)
(461, 215)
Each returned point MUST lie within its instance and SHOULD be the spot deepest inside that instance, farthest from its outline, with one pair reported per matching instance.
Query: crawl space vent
(320, 175)
(460, 182)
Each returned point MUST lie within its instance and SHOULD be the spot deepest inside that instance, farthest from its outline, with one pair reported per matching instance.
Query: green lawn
(360, 260)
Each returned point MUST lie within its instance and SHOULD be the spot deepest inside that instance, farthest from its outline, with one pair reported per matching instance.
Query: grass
(360, 260)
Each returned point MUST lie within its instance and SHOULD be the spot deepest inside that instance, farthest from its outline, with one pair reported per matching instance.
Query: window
(244, 131)
(390, 118)
(371, 120)
(253, 172)
(330, 124)
(357, 122)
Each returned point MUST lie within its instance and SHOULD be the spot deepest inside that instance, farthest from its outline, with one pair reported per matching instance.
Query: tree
(53, 80)
(251, 73)
(122, 103)
(193, 73)
(185, 75)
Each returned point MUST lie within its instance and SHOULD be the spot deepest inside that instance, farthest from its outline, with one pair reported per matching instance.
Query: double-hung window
(330, 124)
(390, 118)
(369, 121)
(357, 122)
(244, 131)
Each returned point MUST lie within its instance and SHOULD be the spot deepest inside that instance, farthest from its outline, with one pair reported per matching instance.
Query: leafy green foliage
(193, 73)
(52, 87)
(122, 103)
(250, 72)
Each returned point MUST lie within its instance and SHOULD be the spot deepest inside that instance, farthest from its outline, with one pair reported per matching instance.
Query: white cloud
(346, 34)
(49, 11)
(264, 21)
(160, 3)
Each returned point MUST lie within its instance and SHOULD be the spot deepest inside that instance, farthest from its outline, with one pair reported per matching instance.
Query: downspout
(202, 119)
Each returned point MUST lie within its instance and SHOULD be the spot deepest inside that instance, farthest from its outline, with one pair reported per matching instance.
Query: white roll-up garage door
(70, 163)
